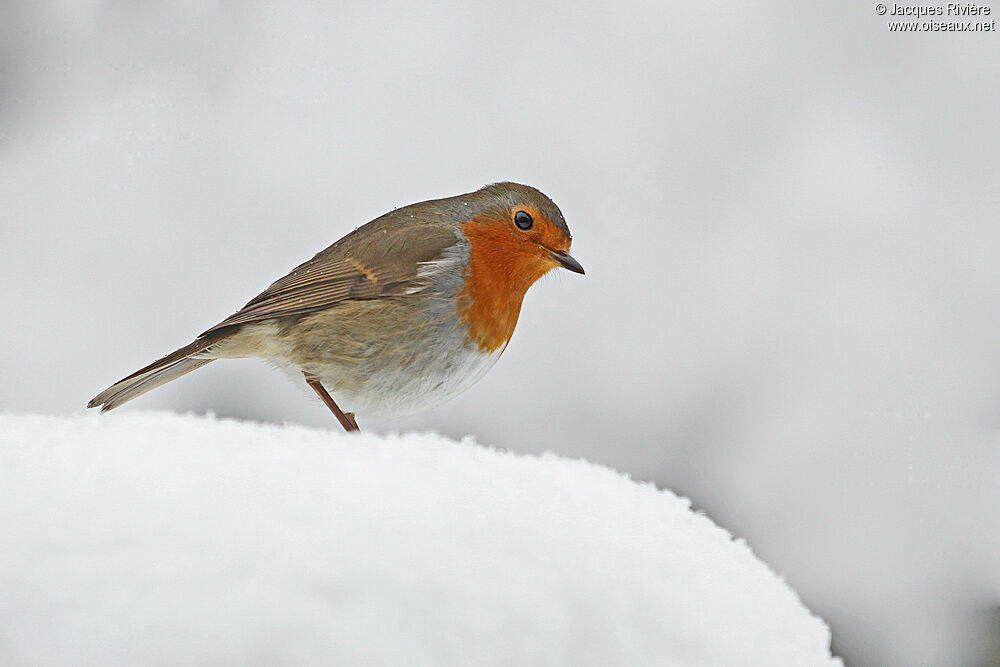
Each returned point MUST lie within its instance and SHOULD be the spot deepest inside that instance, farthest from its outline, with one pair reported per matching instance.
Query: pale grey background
(788, 216)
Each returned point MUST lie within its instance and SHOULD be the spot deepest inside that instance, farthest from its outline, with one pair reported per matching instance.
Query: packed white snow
(165, 539)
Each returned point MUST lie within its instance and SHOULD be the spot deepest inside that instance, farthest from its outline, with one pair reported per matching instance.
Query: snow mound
(165, 539)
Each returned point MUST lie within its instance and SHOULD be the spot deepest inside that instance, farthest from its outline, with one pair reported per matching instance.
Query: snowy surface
(161, 539)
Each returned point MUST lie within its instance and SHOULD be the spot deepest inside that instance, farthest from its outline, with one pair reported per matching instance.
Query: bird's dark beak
(566, 261)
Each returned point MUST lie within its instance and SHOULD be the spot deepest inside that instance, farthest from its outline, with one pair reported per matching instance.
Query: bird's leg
(354, 422)
(346, 419)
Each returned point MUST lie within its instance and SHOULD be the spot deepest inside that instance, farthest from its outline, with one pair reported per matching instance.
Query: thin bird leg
(354, 422)
(346, 419)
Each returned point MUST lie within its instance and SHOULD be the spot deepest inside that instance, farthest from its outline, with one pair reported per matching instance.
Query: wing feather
(369, 263)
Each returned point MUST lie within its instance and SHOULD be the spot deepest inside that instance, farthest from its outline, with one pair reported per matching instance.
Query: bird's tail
(161, 371)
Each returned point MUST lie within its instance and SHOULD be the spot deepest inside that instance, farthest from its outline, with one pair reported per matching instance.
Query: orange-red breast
(398, 316)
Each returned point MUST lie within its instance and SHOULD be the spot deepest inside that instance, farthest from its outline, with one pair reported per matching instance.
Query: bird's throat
(499, 273)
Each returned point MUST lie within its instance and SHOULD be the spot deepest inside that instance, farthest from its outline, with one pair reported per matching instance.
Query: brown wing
(381, 258)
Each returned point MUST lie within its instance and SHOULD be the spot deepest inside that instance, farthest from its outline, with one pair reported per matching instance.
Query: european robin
(398, 316)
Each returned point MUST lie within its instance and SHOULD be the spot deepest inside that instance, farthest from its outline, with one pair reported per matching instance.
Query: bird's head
(516, 235)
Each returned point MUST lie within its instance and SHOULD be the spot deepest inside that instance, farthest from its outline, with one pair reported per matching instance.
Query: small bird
(398, 316)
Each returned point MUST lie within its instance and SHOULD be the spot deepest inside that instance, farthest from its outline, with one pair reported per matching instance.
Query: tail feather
(161, 371)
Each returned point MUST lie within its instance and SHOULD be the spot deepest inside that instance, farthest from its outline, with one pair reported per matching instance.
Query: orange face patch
(544, 232)
(504, 262)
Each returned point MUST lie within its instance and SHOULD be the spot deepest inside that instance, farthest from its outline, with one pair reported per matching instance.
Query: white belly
(405, 391)
(401, 378)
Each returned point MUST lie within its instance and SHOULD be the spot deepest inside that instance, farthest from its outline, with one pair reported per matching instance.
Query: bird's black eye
(523, 220)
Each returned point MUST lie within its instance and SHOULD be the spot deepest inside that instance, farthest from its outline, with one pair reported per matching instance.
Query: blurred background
(788, 217)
